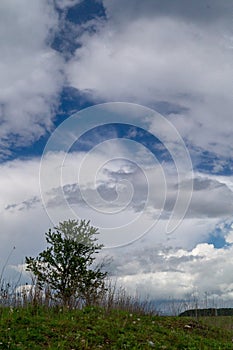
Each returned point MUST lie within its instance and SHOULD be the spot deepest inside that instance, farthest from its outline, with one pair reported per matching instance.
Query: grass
(223, 322)
(96, 328)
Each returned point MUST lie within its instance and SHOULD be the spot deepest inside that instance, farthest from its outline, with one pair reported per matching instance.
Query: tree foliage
(67, 264)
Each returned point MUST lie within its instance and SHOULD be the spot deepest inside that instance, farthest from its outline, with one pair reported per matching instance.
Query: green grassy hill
(208, 312)
(94, 328)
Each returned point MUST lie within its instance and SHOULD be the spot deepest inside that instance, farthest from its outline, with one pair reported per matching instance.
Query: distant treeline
(208, 312)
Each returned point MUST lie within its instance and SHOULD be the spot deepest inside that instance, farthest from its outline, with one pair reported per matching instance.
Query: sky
(121, 112)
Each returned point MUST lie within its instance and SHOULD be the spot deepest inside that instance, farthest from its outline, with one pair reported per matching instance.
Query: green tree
(67, 266)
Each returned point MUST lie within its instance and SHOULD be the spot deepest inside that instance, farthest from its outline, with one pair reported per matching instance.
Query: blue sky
(121, 112)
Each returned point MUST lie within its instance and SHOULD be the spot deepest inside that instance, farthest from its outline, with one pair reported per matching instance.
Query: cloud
(199, 11)
(25, 205)
(63, 4)
(31, 72)
(210, 198)
(151, 53)
(173, 56)
(23, 220)
(103, 196)
(159, 263)
(176, 273)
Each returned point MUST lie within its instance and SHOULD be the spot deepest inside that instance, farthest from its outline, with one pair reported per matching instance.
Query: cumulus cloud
(31, 77)
(158, 262)
(210, 198)
(104, 197)
(174, 56)
(151, 52)
(176, 273)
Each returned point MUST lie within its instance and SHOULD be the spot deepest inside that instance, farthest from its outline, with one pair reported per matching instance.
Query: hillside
(94, 328)
(208, 312)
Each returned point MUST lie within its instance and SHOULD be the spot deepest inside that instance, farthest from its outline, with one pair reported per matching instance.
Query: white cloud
(65, 196)
(23, 220)
(170, 54)
(62, 4)
(164, 273)
(166, 265)
(229, 237)
(18, 181)
(210, 198)
(151, 55)
(30, 71)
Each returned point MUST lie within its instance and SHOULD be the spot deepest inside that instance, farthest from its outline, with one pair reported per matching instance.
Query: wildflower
(187, 326)
(151, 343)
